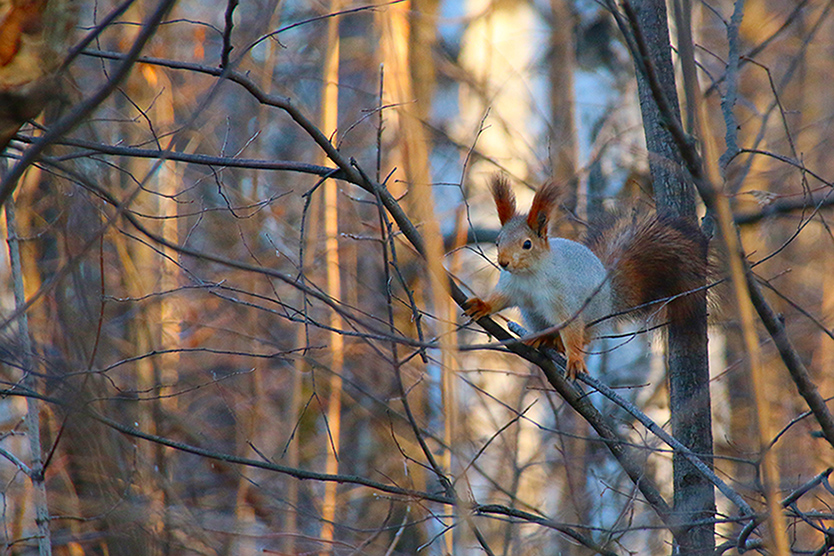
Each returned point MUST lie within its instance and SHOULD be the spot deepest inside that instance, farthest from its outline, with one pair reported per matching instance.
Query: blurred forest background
(218, 334)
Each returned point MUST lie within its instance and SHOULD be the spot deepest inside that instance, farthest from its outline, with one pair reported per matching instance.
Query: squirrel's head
(522, 243)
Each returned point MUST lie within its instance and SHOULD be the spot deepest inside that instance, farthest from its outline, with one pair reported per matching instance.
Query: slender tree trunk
(694, 496)
(30, 381)
(423, 36)
(167, 335)
(413, 148)
(329, 117)
(564, 153)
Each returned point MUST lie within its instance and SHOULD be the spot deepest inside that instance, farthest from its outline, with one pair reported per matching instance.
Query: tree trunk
(689, 395)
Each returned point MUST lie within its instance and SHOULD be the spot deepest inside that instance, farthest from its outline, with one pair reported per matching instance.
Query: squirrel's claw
(574, 367)
(476, 308)
(553, 341)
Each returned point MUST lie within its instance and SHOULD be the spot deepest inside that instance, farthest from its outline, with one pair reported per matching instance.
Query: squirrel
(631, 268)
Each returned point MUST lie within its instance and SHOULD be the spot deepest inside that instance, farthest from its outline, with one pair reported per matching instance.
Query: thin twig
(728, 100)
(227, 32)
(16, 461)
(742, 543)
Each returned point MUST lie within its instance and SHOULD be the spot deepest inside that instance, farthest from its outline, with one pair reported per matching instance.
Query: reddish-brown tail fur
(654, 258)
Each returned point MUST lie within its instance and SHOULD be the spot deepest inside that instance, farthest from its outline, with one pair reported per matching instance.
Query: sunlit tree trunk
(797, 123)
(166, 334)
(404, 86)
(564, 152)
(818, 104)
(760, 390)
(411, 150)
(497, 52)
(329, 117)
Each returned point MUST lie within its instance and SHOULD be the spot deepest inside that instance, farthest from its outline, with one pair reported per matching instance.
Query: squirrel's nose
(503, 263)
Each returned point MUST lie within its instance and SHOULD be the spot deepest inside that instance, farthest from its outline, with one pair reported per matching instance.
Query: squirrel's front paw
(476, 308)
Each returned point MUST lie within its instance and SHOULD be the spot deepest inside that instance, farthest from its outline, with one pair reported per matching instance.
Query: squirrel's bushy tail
(653, 258)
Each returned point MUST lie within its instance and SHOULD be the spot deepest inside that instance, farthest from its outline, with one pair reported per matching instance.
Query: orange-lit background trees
(205, 344)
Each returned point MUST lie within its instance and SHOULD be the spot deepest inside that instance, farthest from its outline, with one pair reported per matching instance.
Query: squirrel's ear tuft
(543, 204)
(504, 197)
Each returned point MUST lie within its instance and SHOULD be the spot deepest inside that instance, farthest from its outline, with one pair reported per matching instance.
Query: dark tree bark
(689, 395)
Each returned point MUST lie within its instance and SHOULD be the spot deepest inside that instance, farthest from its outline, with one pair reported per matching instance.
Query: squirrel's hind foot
(575, 363)
(553, 341)
(574, 367)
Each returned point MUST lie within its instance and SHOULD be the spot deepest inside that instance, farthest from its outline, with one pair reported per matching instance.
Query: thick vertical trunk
(694, 496)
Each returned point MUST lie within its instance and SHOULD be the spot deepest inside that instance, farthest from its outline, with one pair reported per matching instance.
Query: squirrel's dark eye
(527, 244)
